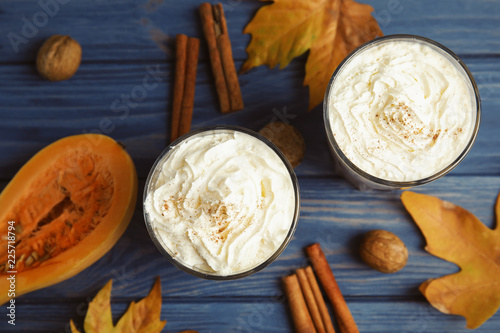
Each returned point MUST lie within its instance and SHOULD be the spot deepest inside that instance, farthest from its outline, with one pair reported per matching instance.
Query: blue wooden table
(125, 41)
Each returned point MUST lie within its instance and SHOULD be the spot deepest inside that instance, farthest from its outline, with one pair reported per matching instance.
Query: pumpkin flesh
(70, 204)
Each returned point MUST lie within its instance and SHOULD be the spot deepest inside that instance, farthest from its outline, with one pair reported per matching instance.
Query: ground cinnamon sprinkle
(220, 215)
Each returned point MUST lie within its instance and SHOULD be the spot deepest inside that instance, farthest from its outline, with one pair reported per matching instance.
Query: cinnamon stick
(300, 315)
(207, 20)
(193, 48)
(221, 57)
(325, 316)
(327, 280)
(233, 85)
(310, 300)
(180, 71)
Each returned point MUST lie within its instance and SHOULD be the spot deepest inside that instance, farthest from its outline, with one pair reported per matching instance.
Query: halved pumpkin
(63, 210)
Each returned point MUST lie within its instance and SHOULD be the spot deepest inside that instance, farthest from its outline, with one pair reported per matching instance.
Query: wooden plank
(258, 315)
(124, 31)
(121, 40)
(38, 112)
(332, 213)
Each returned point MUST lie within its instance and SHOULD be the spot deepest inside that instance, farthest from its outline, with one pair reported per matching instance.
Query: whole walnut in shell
(59, 58)
(383, 251)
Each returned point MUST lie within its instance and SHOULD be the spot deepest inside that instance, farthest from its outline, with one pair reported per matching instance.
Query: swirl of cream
(223, 203)
(401, 110)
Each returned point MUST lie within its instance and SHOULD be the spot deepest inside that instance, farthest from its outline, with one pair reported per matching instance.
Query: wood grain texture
(258, 315)
(35, 112)
(144, 30)
(126, 78)
(332, 213)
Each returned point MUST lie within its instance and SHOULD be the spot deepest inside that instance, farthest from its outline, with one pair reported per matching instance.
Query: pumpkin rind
(111, 165)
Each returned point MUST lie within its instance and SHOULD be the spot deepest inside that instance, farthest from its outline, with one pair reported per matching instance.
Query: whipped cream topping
(223, 202)
(401, 110)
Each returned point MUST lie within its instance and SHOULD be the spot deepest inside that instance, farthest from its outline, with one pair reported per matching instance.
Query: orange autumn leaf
(456, 235)
(330, 29)
(143, 316)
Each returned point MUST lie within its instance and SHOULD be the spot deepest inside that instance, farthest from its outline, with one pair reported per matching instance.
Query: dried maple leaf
(456, 235)
(330, 29)
(143, 316)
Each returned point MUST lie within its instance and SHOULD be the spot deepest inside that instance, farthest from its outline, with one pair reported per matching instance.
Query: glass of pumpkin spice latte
(221, 202)
(400, 111)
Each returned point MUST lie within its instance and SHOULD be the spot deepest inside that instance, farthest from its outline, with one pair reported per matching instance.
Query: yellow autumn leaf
(456, 235)
(143, 316)
(73, 327)
(99, 318)
(330, 29)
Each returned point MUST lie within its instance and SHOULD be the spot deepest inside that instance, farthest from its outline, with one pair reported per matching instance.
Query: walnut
(59, 58)
(383, 251)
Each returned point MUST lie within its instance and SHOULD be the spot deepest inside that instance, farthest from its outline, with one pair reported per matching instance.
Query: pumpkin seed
(18, 228)
(29, 261)
(20, 260)
(35, 255)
